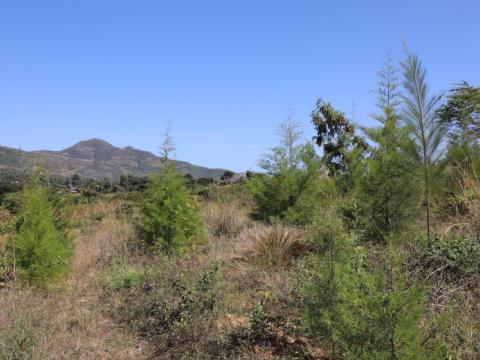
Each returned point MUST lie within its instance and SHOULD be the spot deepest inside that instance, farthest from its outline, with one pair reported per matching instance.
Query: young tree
(342, 148)
(419, 113)
(360, 309)
(42, 248)
(289, 169)
(170, 214)
(389, 193)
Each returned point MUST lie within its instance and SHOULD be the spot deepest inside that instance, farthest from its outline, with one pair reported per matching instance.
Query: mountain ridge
(96, 159)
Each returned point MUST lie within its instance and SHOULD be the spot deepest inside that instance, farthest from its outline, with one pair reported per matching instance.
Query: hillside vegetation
(361, 244)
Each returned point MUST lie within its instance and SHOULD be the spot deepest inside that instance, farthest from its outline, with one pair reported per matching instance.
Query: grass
(237, 296)
(272, 245)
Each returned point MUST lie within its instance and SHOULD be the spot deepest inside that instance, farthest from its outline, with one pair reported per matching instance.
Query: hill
(95, 159)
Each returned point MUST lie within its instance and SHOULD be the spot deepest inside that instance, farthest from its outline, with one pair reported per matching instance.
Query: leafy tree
(227, 175)
(42, 248)
(461, 115)
(170, 214)
(461, 112)
(419, 113)
(76, 180)
(289, 169)
(388, 191)
(342, 148)
(106, 185)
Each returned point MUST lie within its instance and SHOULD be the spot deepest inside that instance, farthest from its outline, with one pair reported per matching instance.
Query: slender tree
(388, 192)
(420, 114)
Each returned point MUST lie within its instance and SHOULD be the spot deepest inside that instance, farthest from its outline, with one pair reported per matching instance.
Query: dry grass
(69, 321)
(271, 245)
(470, 197)
(224, 219)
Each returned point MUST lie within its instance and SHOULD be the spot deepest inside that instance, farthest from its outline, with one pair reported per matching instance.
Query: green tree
(461, 112)
(227, 175)
(342, 147)
(461, 115)
(171, 220)
(42, 248)
(389, 193)
(288, 171)
(420, 114)
(76, 180)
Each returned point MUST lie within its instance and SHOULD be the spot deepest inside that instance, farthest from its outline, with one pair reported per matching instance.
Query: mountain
(96, 159)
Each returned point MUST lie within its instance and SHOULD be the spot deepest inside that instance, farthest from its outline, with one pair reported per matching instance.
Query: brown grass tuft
(272, 245)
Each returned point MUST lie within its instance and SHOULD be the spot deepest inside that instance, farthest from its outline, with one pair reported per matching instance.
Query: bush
(170, 214)
(42, 249)
(121, 277)
(175, 315)
(361, 309)
(458, 256)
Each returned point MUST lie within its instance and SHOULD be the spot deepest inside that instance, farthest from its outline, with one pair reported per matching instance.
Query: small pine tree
(290, 169)
(389, 194)
(41, 249)
(359, 309)
(170, 214)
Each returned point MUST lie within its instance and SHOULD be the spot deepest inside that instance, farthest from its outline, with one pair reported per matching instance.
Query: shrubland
(360, 244)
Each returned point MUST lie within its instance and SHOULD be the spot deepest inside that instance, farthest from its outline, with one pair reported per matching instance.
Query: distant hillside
(95, 159)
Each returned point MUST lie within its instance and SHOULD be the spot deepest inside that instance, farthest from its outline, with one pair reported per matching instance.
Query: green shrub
(41, 249)
(171, 218)
(174, 315)
(458, 256)
(120, 277)
(360, 309)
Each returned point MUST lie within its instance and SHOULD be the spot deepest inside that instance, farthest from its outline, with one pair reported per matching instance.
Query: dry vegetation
(69, 321)
(118, 303)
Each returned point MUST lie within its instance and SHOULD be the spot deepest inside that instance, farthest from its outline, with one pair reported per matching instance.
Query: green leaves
(170, 215)
(41, 249)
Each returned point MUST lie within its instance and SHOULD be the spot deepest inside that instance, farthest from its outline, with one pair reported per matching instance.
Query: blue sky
(224, 73)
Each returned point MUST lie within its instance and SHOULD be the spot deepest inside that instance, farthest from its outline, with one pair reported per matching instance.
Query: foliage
(457, 256)
(227, 175)
(388, 193)
(362, 310)
(120, 277)
(419, 113)
(42, 248)
(461, 112)
(170, 312)
(290, 169)
(171, 220)
(170, 214)
(342, 147)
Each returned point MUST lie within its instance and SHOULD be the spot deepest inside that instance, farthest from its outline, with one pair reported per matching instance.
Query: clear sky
(224, 72)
